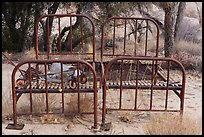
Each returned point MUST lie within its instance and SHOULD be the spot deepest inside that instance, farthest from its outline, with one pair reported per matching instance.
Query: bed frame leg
(15, 126)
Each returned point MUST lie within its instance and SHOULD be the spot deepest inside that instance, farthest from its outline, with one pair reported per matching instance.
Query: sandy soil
(82, 125)
(79, 125)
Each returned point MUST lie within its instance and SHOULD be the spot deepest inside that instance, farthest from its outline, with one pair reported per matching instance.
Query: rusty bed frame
(110, 61)
(157, 78)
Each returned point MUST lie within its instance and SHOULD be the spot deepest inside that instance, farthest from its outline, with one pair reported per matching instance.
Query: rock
(70, 126)
(106, 126)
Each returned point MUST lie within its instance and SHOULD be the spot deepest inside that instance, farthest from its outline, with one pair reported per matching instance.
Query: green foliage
(18, 20)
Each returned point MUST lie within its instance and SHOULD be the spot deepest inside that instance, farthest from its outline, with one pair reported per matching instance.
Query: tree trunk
(37, 14)
(169, 24)
(179, 19)
(169, 32)
(70, 40)
(51, 10)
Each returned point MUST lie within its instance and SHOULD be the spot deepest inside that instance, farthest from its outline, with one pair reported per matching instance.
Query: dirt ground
(82, 125)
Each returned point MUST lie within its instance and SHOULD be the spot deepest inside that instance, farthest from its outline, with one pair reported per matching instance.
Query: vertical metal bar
(125, 36)
(30, 89)
(157, 42)
(182, 90)
(14, 98)
(136, 89)
(121, 79)
(48, 37)
(46, 87)
(93, 42)
(62, 87)
(78, 90)
(30, 79)
(95, 100)
(59, 40)
(156, 69)
(70, 37)
(104, 99)
(36, 39)
(114, 37)
(152, 80)
(37, 67)
(135, 34)
(146, 37)
(167, 88)
(102, 43)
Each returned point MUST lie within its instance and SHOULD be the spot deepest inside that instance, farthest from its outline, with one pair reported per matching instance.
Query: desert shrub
(189, 61)
(189, 47)
(189, 54)
(86, 103)
(169, 124)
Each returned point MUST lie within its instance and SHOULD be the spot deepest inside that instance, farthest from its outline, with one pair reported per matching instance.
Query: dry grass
(86, 103)
(39, 102)
(151, 47)
(127, 117)
(192, 48)
(22, 56)
(50, 118)
(189, 54)
(169, 124)
(6, 95)
(7, 107)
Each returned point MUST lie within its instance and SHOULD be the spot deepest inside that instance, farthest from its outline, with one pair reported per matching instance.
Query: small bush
(189, 61)
(189, 54)
(168, 124)
(86, 103)
(189, 47)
